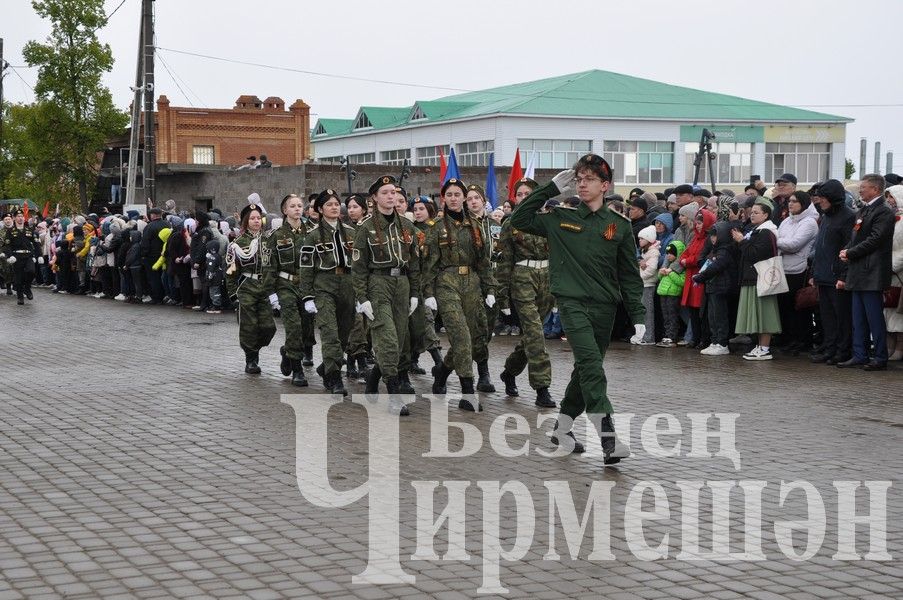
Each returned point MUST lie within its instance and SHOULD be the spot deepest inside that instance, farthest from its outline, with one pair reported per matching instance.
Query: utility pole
(150, 150)
(3, 66)
(134, 132)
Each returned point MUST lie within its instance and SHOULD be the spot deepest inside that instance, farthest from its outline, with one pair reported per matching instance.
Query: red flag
(442, 166)
(46, 210)
(25, 209)
(516, 175)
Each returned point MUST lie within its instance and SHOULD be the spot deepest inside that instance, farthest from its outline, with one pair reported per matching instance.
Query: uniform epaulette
(431, 222)
(269, 232)
(313, 228)
(564, 207)
(622, 215)
(365, 219)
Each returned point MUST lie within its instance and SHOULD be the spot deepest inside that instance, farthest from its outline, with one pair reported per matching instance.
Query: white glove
(11, 260)
(2, 255)
(40, 260)
(430, 303)
(564, 180)
(640, 332)
(414, 303)
(490, 300)
(310, 307)
(366, 309)
(274, 301)
(506, 312)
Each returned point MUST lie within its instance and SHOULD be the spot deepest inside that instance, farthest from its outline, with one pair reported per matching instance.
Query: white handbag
(771, 279)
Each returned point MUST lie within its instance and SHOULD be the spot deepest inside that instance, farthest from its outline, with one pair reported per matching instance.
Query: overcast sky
(799, 53)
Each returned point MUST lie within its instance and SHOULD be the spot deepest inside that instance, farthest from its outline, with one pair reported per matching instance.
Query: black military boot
(307, 359)
(612, 452)
(373, 377)
(544, 399)
(396, 404)
(436, 355)
(510, 384)
(298, 378)
(578, 447)
(350, 368)
(362, 368)
(469, 400)
(285, 366)
(251, 366)
(416, 369)
(440, 376)
(322, 373)
(484, 384)
(336, 386)
(404, 383)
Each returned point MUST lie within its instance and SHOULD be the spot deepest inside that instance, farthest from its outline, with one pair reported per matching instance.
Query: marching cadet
(523, 275)
(476, 207)
(458, 282)
(594, 254)
(386, 276)
(423, 320)
(284, 245)
(326, 287)
(358, 346)
(6, 269)
(20, 247)
(248, 282)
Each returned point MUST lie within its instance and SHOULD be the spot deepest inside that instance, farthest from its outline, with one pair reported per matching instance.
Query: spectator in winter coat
(638, 219)
(719, 275)
(796, 236)
(691, 262)
(893, 316)
(686, 216)
(670, 288)
(649, 254)
(663, 224)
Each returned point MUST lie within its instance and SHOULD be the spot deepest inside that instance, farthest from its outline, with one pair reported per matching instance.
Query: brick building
(215, 136)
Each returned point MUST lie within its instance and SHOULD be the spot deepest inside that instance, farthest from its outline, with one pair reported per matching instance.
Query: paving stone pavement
(139, 461)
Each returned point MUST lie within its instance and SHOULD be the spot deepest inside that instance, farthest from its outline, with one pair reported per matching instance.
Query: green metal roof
(599, 94)
(333, 126)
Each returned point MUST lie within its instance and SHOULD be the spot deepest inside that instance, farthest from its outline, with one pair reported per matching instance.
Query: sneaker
(120, 297)
(213, 311)
(758, 353)
(740, 339)
(666, 343)
(646, 343)
(716, 350)
(682, 343)
(563, 338)
(146, 300)
(61, 292)
(197, 308)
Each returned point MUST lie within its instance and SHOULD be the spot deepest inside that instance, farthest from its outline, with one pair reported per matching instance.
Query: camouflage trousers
(391, 298)
(532, 300)
(461, 306)
(335, 316)
(256, 327)
(588, 328)
(358, 337)
(293, 318)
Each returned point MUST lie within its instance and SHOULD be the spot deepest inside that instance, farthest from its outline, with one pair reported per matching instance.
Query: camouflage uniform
(386, 272)
(326, 279)
(358, 343)
(423, 321)
(249, 281)
(523, 275)
(457, 274)
(285, 251)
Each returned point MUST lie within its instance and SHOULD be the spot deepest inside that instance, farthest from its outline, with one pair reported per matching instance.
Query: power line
(114, 11)
(632, 100)
(16, 71)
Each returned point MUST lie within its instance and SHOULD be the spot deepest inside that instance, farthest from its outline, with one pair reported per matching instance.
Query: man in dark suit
(869, 257)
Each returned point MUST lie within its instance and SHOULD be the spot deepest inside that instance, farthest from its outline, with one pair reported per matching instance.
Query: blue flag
(491, 189)
(452, 171)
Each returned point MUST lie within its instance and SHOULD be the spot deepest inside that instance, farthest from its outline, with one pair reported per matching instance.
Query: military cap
(324, 196)
(16, 212)
(595, 162)
(401, 191)
(478, 189)
(527, 182)
(247, 210)
(454, 182)
(7, 214)
(286, 199)
(381, 181)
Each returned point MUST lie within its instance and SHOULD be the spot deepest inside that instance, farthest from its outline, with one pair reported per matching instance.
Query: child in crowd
(720, 278)
(649, 253)
(670, 289)
(214, 275)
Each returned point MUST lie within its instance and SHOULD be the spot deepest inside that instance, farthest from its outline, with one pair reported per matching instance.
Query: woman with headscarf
(248, 284)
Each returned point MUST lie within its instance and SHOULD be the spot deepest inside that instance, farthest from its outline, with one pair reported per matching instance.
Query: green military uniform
(284, 246)
(457, 274)
(385, 271)
(326, 279)
(592, 267)
(358, 342)
(523, 275)
(249, 282)
(423, 321)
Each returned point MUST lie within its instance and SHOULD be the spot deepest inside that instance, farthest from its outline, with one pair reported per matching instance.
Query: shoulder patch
(313, 228)
(431, 222)
(571, 227)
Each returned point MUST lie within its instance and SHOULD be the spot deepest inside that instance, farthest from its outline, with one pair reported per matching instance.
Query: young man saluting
(592, 268)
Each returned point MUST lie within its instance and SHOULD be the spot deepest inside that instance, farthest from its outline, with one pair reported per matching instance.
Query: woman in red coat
(692, 261)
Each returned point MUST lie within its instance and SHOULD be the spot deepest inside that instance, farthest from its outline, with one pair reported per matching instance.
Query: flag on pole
(452, 170)
(56, 213)
(516, 175)
(442, 166)
(531, 166)
(491, 188)
(46, 210)
(25, 209)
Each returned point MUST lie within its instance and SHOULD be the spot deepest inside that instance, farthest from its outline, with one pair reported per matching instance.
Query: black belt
(391, 272)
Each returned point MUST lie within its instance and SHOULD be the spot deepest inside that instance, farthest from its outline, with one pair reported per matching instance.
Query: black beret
(381, 181)
(247, 210)
(324, 196)
(455, 182)
(684, 188)
(401, 191)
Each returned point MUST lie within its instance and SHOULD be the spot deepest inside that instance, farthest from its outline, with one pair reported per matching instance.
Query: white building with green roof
(647, 130)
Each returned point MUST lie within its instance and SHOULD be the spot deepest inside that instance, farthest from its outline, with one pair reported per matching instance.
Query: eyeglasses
(580, 180)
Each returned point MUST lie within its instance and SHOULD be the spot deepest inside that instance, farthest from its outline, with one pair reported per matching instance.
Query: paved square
(139, 461)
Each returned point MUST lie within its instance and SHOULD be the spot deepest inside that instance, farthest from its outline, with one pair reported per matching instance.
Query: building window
(362, 122)
(552, 154)
(330, 159)
(809, 162)
(320, 130)
(360, 159)
(640, 162)
(733, 162)
(474, 154)
(202, 155)
(428, 156)
(395, 157)
(418, 114)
